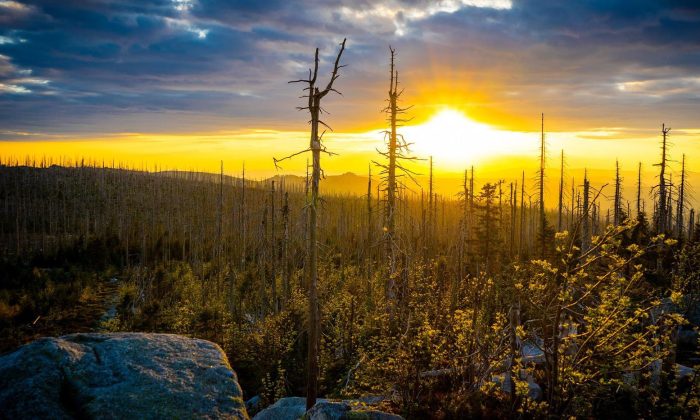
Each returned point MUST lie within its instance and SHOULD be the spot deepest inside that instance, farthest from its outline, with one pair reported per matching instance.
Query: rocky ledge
(294, 408)
(122, 375)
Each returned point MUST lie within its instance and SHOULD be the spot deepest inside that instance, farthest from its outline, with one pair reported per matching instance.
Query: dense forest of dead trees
(444, 305)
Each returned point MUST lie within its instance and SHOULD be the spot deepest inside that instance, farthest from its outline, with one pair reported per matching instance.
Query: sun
(454, 139)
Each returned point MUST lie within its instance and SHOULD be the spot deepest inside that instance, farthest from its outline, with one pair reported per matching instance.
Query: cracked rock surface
(119, 375)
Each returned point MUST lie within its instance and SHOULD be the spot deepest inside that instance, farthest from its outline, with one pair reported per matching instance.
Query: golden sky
(186, 84)
(454, 140)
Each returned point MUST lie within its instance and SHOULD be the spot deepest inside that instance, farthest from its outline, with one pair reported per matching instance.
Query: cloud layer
(87, 66)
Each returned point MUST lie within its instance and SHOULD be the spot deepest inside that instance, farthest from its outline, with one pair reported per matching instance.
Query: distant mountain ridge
(346, 183)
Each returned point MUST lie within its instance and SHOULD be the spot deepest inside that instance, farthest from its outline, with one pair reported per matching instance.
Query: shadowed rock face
(122, 375)
(294, 408)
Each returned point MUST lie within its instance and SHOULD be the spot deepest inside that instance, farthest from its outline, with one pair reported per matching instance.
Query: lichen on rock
(119, 375)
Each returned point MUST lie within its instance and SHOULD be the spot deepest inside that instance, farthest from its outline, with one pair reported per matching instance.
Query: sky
(187, 83)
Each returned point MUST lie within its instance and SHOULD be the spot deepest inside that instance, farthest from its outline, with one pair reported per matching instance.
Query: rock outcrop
(293, 408)
(342, 410)
(290, 408)
(121, 375)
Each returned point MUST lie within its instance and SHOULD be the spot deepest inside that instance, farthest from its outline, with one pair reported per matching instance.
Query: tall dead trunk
(617, 209)
(543, 218)
(560, 219)
(431, 210)
(585, 222)
(499, 232)
(389, 235)
(594, 218)
(315, 95)
(691, 224)
(396, 152)
(370, 228)
(243, 222)
(681, 203)
(463, 225)
(572, 216)
(521, 241)
(470, 218)
(286, 274)
(513, 209)
(662, 206)
(220, 224)
(639, 190)
(274, 250)
(669, 205)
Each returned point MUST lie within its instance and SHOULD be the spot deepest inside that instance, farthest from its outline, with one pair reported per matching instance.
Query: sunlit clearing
(454, 139)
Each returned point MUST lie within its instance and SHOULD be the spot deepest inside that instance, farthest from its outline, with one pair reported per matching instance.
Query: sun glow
(456, 140)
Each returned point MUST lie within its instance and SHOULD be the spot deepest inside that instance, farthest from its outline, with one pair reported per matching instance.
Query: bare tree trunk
(243, 223)
(286, 275)
(470, 219)
(572, 218)
(396, 152)
(617, 211)
(513, 208)
(499, 233)
(391, 181)
(543, 218)
(312, 250)
(669, 206)
(561, 194)
(465, 224)
(586, 230)
(639, 190)
(691, 224)
(315, 95)
(431, 212)
(368, 245)
(594, 218)
(274, 250)
(681, 203)
(522, 216)
(661, 210)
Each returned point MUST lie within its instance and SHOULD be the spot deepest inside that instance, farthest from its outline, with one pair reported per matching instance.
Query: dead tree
(500, 233)
(314, 95)
(220, 224)
(543, 218)
(595, 210)
(680, 209)
(273, 245)
(513, 209)
(369, 231)
(661, 216)
(572, 218)
(464, 195)
(639, 191)
(431, 210)
(586, 230)
(691, 224)
(243, 222)
(470, 218)
(669, 204)
(560, 219)
(617, 210)
(286, 275)
(396, 155)
(522, 216)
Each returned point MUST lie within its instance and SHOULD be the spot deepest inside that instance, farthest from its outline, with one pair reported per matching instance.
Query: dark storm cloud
(92, 65)
(579, 59)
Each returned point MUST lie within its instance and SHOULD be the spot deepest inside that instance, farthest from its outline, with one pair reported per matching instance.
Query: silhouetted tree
(315, 95)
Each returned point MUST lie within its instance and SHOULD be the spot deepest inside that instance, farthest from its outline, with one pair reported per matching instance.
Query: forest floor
(95, 306)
